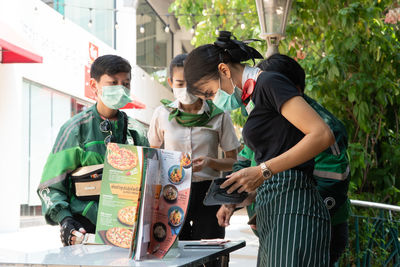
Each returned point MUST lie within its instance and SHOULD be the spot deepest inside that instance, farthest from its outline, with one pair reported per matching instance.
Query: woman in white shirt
(190, 124)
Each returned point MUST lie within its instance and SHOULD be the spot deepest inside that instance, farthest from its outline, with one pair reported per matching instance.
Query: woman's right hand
(200, 163)
(247, 179)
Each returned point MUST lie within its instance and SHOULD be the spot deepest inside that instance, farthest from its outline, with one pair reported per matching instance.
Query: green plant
(351, 56)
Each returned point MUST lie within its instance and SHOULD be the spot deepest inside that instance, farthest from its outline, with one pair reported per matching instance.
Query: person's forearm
(225, 164)
(311, 145)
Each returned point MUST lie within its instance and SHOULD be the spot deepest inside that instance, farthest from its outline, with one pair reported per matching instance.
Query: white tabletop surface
(103, 255)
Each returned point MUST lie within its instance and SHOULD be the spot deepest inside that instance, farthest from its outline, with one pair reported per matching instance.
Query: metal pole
(368, 204)
(273, 45)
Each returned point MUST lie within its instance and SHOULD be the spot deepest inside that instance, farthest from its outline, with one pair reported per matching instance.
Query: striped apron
(292, 222)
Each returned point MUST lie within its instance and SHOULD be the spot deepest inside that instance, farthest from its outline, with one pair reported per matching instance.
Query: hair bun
(224, 39)
(238, 50)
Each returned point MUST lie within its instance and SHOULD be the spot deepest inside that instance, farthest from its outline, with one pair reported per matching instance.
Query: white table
(103, 255)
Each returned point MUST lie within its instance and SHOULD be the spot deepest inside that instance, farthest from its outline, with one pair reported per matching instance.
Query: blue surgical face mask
(115, 96)
(228, 102)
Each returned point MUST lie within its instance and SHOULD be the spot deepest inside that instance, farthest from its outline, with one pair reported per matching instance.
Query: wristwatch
(266, 172)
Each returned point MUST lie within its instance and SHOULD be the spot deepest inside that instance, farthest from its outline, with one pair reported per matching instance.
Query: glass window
(154, 44)
(40, 136)
(44, 111)
(95, 16)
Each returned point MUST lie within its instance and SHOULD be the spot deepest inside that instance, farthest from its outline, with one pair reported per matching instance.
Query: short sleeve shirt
(200, 141)
(267, 132)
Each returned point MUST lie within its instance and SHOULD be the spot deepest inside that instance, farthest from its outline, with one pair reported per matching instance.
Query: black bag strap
(125, 132)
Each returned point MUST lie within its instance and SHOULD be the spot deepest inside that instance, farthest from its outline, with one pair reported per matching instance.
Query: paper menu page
(144, 199)
(150, 194)
(121, 182)
(170, 209)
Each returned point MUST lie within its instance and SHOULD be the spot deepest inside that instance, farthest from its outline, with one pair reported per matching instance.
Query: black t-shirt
(266, 131)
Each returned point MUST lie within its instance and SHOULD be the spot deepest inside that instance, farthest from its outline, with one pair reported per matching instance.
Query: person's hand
(247, 179)
(200, 163)
(70, 229)
(224, 214)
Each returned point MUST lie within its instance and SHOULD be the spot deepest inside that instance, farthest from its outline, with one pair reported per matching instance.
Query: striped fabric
(292, 222)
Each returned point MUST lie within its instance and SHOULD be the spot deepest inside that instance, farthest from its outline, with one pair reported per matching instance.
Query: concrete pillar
(10, 143)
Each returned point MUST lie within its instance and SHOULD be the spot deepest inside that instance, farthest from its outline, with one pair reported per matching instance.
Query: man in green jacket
(331, 169)
(82, 141)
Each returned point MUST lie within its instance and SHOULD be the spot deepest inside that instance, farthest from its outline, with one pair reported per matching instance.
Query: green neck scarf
(189, 119)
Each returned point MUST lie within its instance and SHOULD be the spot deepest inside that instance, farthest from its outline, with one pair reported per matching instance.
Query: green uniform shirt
(331, 170)
(79, 143)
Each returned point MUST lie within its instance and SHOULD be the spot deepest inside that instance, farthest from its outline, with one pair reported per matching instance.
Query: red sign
(88, 91)
(93, 54)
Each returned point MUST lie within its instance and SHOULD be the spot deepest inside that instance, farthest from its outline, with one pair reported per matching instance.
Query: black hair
(110, 65)
(176, 62)
(202, 63)
(286, 66)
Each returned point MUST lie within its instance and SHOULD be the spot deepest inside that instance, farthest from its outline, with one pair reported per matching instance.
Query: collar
(120, 116)
(250, 73)
(204, 107)
(249, 79)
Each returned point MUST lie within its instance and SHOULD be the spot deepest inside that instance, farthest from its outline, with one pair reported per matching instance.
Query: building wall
(11, 147)
(64, 47)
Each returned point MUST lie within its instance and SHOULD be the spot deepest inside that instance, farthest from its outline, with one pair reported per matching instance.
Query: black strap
(124, 137)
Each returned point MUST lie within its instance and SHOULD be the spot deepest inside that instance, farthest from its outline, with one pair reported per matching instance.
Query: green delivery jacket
(79, 143)
(331, 169)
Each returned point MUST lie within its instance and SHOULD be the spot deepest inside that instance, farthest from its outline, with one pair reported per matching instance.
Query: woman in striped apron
(285, 134)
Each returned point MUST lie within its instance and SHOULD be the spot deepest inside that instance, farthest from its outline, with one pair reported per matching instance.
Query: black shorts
(201, 221)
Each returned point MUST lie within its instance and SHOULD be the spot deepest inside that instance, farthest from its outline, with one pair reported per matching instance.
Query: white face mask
(250, 73)
(183, 96)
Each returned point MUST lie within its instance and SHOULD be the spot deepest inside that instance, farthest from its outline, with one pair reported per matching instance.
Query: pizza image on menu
(127, 215)
(119, 237)
(112, 147)
(121, 158)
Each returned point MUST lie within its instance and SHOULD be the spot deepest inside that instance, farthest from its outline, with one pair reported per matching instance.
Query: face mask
(228, 102)
(183, 96)
(115, 96)
(249, 73)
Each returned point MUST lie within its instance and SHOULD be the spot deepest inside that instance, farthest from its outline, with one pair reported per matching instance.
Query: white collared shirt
(200, 141)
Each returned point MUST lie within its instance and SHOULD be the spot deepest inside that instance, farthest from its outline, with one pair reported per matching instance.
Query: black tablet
(218, 196)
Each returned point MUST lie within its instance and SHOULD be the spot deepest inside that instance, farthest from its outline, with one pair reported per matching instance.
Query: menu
(144, 199)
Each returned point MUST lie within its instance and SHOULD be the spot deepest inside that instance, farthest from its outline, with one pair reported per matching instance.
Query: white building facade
(36, 99)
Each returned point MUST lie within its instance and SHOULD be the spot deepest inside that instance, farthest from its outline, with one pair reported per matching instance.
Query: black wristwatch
(266, 172)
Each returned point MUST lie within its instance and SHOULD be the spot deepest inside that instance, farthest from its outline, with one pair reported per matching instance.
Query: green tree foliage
(352, 60)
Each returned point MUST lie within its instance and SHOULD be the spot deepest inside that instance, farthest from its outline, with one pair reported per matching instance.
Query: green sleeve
(241, 164)
(53, 188)
(245, 158)
(246, 153)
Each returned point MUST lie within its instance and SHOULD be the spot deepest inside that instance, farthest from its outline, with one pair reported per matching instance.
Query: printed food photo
(176, 174)
(170, 193)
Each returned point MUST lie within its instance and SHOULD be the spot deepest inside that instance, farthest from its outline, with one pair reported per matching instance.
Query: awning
(134, 104)
(14, 48)
(11, 53)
